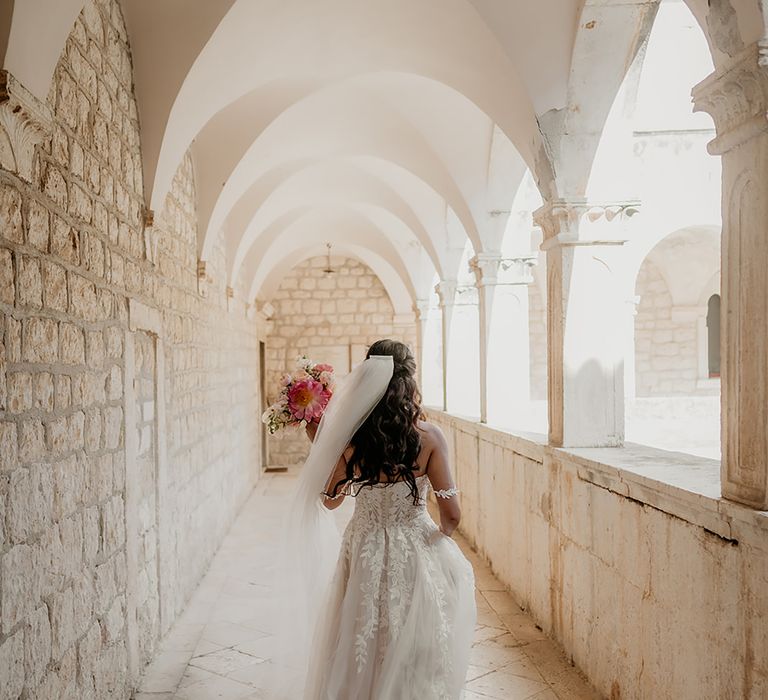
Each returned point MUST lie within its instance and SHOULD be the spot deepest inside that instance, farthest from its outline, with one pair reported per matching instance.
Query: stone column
(585, 345)
(421, 310)
(463, 359)
(502, 285)
(429, 350)
(485, 267)
(736, 96)
(630, 365)
(446, 292)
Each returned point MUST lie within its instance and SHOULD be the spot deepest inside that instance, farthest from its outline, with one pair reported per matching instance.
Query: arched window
(713, 335)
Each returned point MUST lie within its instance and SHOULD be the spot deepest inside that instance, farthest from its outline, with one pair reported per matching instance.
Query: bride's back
(388, 446)
(390, 505)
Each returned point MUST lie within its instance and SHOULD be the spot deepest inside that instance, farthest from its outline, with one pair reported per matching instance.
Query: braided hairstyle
(387, 444)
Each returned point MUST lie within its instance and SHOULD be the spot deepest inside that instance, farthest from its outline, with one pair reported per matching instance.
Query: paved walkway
(219, 648)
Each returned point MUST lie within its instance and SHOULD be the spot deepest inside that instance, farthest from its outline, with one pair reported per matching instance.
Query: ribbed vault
(415, 122)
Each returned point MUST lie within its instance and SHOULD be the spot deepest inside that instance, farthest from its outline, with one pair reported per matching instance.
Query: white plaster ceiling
(398, 127)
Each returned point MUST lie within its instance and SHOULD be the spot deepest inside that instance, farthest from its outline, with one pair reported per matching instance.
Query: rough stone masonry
(128, 402)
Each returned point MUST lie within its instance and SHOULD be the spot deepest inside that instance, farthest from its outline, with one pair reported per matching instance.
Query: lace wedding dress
(401, 614)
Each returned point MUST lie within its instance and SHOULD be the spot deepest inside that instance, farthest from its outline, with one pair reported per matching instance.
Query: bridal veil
(310, 539)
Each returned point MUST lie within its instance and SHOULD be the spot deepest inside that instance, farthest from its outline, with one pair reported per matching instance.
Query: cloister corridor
(218, 650)
(559, 206)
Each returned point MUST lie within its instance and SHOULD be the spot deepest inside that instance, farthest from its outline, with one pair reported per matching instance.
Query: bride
(394, 619)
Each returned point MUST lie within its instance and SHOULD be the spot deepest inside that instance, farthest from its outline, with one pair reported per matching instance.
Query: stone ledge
(682, 485)
(532, 446)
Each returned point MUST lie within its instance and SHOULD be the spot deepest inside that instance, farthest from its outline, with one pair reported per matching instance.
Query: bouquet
(304, 394)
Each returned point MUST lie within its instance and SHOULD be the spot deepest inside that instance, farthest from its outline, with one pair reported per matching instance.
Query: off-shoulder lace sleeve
(347, 489)
(447, 493)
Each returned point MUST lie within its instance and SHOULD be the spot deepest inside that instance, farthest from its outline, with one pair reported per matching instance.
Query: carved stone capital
(446, 291)
(485, 267)
(264, 326)
(518, 270)
(263, 313)
(632, 303)
(467, 295)
(762, 49)
(151, 236)
(492, 269)
(736, 96)
(266, 310)
(204, 279)
(577, 221)
(25, 121)
(422, 307)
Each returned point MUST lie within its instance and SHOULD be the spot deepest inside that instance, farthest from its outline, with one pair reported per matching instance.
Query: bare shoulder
(431, 435)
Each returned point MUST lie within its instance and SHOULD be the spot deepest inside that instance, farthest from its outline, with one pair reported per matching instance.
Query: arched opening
(517, 339)
(463, 367)
(330, 317)
(676, 399)
(431, 360)
(672, 251)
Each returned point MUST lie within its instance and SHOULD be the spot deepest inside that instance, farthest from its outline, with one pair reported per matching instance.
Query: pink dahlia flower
(307, 399)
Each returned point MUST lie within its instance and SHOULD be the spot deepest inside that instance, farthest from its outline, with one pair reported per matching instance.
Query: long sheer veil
(310, 540)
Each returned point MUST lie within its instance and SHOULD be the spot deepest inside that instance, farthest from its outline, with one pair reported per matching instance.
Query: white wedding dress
(400, 616)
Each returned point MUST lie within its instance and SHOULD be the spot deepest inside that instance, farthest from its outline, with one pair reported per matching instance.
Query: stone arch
(315, 183)
(399, 103)
(364, 131)
(472, 49)
(512, 349)
(702, 238)
(303, 225)
(673, 285)
(398, 293)
(651, 102)
(313, 228)
(608, 53)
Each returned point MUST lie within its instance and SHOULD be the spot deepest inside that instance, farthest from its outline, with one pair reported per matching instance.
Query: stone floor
(219, 647)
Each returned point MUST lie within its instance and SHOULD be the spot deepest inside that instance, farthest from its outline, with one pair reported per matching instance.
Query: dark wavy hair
(387, 444)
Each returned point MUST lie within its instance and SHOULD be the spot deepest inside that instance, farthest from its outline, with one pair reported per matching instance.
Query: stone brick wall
(145, 473)
(213, 408)
(89, 531)
(666, 340)
(325, 317)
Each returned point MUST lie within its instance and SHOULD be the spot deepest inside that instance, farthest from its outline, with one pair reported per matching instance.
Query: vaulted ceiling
(398, 130)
